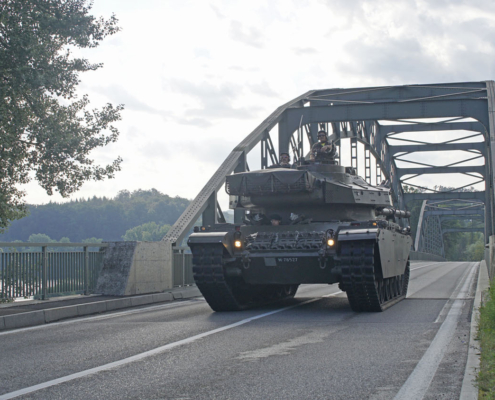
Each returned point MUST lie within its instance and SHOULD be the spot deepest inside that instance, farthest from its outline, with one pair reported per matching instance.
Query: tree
(46, 131)
(149, 232)
(40, 238)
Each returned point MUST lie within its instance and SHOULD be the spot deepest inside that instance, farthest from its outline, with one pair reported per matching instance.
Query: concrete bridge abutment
(131, 268)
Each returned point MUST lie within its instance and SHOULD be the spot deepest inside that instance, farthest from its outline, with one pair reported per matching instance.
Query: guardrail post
(44, 272)
(86, 270)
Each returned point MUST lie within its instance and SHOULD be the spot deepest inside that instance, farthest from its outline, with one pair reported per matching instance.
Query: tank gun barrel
(393, 211)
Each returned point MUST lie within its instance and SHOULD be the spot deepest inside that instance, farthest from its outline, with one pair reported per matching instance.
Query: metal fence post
(86, 270)
(183, 268)
(44, 272)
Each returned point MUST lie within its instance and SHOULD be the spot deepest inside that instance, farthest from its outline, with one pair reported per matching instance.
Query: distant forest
(98, 217)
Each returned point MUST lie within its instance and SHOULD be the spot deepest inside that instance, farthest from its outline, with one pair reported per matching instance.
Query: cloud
(199, 122)
(216, 101)
(118, 94)
(443, 45)
(217, 12)
(393, 60)
(202, 52)
(302, 51)
(243, 69)
(249, 36)
(263, 89)
(208, 151)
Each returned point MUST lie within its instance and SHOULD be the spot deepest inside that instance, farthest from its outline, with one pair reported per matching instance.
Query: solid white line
(141, 356)
(423, 266)
(98, 317)
(333, 294)
(420, 379)
(454, 296)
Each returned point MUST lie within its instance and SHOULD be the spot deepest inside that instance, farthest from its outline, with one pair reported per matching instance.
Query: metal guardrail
(43, 273)
(182, 272)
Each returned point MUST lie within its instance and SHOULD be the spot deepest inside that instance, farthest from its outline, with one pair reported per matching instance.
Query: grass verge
(486, 336)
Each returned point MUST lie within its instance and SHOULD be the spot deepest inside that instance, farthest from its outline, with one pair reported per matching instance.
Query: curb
(40, 317)
(469, 390)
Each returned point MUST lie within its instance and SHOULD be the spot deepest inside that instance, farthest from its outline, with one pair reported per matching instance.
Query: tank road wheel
(398, 285)
(388, 294)
(380, 290)
(230, 294)
(365, 288)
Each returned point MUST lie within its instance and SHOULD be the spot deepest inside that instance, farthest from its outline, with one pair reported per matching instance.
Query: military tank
(335, 228)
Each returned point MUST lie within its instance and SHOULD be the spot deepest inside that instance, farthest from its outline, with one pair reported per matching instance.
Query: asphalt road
(310, 347)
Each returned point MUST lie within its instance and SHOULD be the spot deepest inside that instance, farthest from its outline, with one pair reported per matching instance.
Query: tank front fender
(394, 247)
(202, 238)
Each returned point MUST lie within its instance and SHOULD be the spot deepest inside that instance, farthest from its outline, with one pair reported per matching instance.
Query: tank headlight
(331, 242)
(237, 244)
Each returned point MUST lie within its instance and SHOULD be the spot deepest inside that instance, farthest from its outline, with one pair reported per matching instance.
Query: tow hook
(246, 261)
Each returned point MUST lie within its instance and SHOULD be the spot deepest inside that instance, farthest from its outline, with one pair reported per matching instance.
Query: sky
(197, 76)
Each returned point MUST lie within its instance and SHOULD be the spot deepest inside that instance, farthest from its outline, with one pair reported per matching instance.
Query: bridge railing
(45, 273)
(182, 273)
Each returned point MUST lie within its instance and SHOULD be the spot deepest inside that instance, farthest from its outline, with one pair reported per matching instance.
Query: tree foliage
(98, 217)
(46, 131)
(148, 232)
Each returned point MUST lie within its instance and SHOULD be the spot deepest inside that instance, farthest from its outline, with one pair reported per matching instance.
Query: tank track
(365, 289)
(230, 294)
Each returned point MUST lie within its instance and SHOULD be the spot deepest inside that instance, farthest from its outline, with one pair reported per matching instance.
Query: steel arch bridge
(386, 133)
(430, 231)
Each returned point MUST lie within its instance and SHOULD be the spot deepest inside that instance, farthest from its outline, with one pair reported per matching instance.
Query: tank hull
(367, 259)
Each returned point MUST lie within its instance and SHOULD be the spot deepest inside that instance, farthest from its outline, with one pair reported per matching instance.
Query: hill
(98, 217)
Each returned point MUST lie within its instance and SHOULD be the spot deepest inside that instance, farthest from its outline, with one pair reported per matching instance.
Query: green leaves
(148, 232)
(38, 132)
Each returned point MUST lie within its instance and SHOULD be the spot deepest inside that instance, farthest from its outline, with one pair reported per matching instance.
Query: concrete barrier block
(161, 297)
(91, 308)
(24, 319)
(2, 323)
(142, 300)
(117, 304)
(177, 295)
(192, 292)
(56, 314)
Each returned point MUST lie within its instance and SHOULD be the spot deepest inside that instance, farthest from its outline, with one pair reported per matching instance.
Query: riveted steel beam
(442, 170)
(449, 230)
(455, 212)
(439, 126)
(444, 196)
(479, 146)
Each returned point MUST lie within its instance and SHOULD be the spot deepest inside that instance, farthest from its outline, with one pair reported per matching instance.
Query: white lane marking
(411, 293)
(420, 379)
(141, 356)
(333, 294)
(98, 317)
(423, 266)
(455, 296)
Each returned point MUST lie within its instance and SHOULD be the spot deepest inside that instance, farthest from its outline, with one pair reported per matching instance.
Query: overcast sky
(197, 76)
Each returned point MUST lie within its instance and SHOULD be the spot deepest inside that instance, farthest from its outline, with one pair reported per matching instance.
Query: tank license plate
(273, 262)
